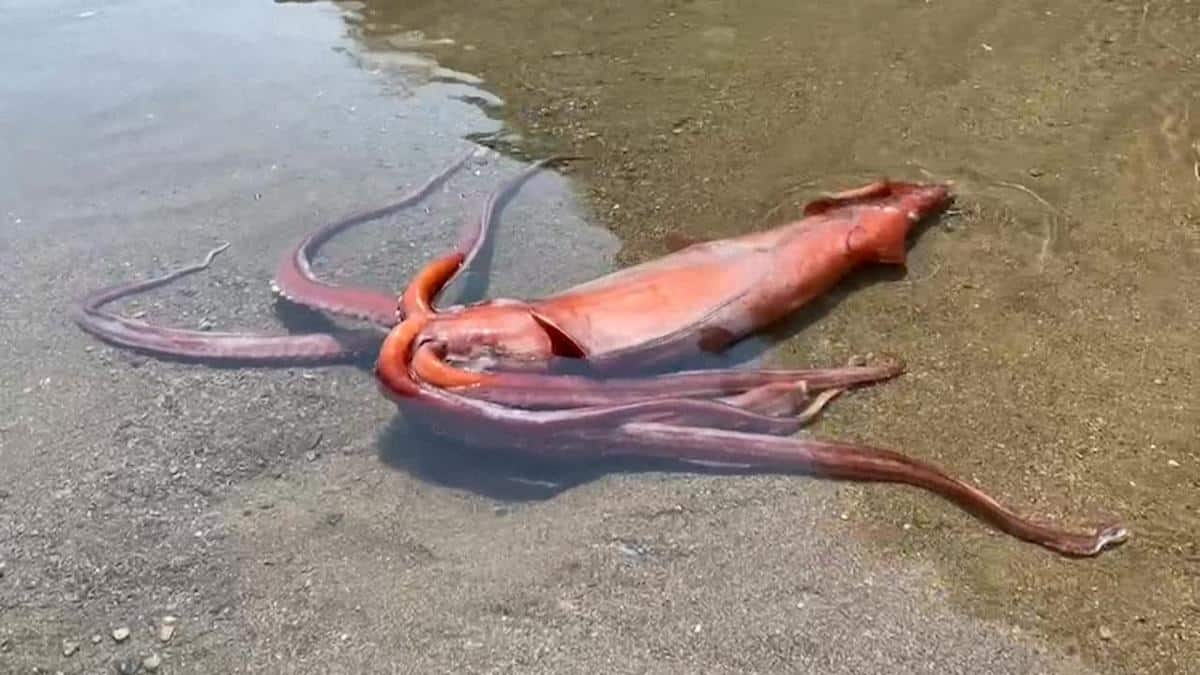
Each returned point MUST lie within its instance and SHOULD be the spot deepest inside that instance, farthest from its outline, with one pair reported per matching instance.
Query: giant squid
(580, 373)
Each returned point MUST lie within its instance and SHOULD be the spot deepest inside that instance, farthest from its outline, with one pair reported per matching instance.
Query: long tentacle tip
(1106, 537)
(214, 253)
(1113, 535)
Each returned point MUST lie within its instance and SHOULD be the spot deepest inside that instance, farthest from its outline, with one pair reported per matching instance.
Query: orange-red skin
(699, 298)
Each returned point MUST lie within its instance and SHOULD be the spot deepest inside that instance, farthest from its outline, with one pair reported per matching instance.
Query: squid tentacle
(784, 400)
(617, 431)
(591, 432)
(222, 348)
(541, 391)
(476, 234)
(849, 461)
(296, 282)
(756, 414)
(562, 426)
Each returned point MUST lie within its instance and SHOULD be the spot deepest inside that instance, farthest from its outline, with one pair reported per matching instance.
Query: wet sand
(292, 523)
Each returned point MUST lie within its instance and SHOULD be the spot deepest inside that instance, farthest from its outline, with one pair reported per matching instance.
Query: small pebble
(120, 634)
(635, 552)
(151, 663)
(1106, 633)
(1171, 462)
(1036, 173)
(69, 647)
(127, 666)
(96, 639)
(166, 629)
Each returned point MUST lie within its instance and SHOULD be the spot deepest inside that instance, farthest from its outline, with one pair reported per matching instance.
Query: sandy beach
(187, 519)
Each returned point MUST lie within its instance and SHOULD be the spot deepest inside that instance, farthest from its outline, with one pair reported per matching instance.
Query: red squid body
(700, 298)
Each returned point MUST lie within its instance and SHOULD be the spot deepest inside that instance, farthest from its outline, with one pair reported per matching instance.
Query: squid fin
(832, 201)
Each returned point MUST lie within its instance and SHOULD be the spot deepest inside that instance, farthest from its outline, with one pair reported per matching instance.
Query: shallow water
(1049, 327)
